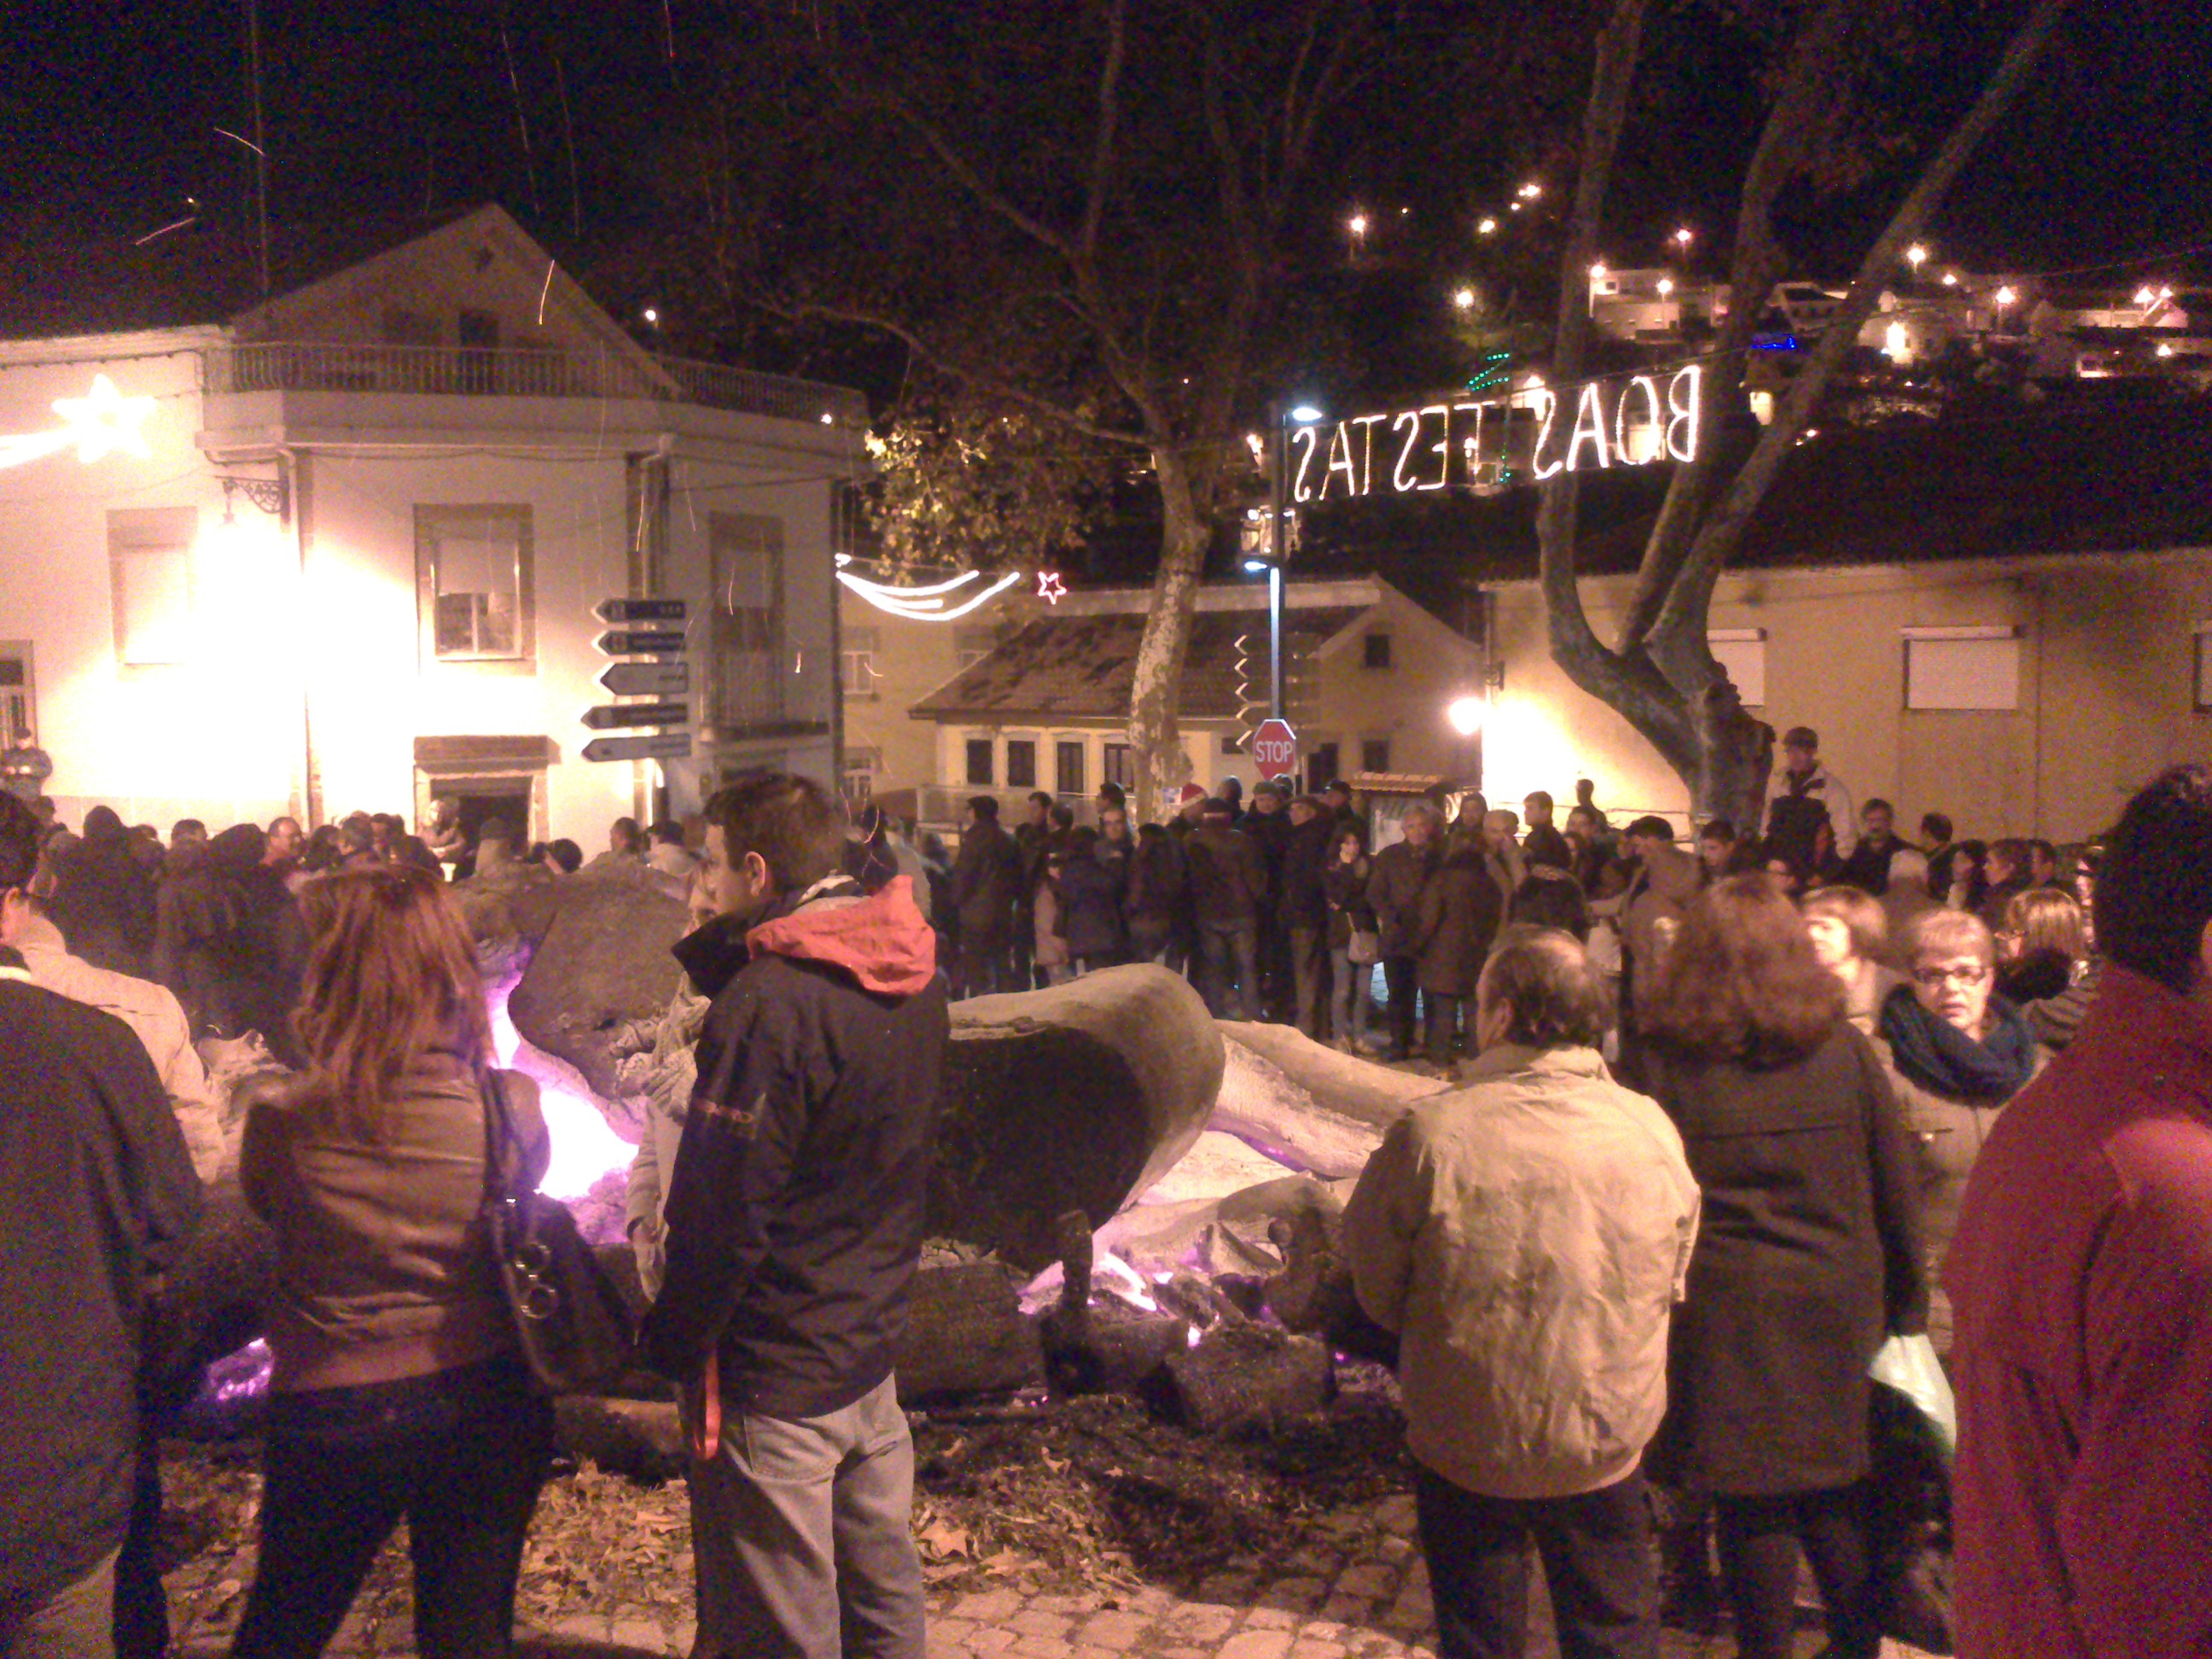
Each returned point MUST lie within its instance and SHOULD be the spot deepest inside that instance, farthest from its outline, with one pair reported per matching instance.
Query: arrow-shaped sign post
(659, 745)
(642, 642)
(640, 611)
(647, 679)
(608, 716)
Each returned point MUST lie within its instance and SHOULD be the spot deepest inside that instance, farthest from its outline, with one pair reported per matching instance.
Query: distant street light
(1464, 300)
(1467, 714)
(1682, 239)
(1487, 227)
(1597, 272)
(1666, 286)
(1356, 225)
(1915, 256)
(1950, 279)
(2145, 299)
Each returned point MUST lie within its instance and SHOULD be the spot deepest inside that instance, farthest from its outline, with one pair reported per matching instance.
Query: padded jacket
(1527, 1236)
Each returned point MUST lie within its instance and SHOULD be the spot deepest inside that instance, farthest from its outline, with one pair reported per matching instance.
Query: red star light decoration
(1050, 588)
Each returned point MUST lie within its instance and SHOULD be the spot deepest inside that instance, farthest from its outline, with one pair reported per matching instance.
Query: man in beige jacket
(1526, 1236)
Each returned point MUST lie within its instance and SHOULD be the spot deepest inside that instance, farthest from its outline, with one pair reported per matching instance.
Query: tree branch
(1102, 149)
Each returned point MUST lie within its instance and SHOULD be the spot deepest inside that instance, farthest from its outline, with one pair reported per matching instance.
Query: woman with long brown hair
(1805, 1258)
(397, 1389)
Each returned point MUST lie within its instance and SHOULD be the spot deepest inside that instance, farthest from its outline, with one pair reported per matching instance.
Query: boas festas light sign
(1629, 422)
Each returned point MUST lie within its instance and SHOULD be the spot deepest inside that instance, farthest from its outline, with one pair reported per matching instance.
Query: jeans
(1596, 1549)
(77, 1623)
(1347, 996)
(801, 1530)
(1758, 1539)
(1310, 978)
(1398, 986)
(1218, 944)
(460, 1453)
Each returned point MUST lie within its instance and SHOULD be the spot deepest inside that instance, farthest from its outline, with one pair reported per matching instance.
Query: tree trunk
(1155, 684)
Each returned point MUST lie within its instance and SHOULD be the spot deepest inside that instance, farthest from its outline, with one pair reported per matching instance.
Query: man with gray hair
(1526, 1236)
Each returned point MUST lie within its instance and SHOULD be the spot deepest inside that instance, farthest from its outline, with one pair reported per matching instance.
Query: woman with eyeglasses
(1958, 1053)
(397, 1389)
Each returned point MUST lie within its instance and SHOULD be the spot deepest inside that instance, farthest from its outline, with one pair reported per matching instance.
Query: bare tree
(1659, 673)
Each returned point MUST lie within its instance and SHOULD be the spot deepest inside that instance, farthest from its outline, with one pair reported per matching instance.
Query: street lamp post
(1277, 549)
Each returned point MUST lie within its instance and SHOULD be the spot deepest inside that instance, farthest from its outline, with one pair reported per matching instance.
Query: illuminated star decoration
(928, 604)
(1050, 588)
(99, 424)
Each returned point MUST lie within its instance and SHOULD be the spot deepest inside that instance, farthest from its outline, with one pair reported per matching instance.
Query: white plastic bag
(1908, 1364)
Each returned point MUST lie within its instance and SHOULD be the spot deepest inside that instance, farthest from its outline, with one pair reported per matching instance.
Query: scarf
(1940, 1057)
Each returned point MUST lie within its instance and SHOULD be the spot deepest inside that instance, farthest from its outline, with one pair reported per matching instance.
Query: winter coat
(1544, 845)
(1528, 1235)
(795, 1212)
(1808, 1253)
(987, 881)
(1819, 788)
(383, 1268)
(96, 1192)
(1459, 911)
(1659, 899)
(1047, 925)
(1344, 887)
(192, 925)
(2081, 1274)
(1400, 873)
(1158, 901)
(1868, 866)
(1228, 882)
(104, 901)
(1304, 903)
(1270, 835)
(1090, 903)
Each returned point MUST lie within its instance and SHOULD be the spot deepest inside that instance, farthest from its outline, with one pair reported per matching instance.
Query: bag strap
(498, 1136)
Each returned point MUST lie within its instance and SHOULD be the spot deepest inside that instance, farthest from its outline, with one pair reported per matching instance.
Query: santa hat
(1191, 792)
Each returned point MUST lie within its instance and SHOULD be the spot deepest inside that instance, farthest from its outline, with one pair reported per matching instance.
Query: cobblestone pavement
(1356, 1589)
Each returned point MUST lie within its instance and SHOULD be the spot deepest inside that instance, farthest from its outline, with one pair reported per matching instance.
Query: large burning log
(1243, 1376)
(1307, 1105)
(1076, 1098)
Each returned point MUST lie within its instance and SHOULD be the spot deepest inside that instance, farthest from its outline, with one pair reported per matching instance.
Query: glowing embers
(584, 1147)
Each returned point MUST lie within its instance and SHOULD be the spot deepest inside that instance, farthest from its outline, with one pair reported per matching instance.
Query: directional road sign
(660, 745)
(636, 714)
(1275, 750)
(647, 679)
(640, 611)
(642, 642)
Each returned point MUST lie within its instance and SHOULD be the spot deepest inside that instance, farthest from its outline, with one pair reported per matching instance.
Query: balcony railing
(477, 372)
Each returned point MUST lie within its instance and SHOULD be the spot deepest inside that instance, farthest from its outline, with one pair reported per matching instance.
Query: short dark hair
(625, 831)
(1111, 790)
(1551, 898)
(1651, 825)
(1718, 829)
(985, 807)
(1536, 798)
(794, 824)
(2155, 890)
(566, 854)
(1062, 815)
(183, 827)
(1937, 826)
(19, 843)
(668, 832)
(1041, 797)
(1877, 805)
(1553, 997)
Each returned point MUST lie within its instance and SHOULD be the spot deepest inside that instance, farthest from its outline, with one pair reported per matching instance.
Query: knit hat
(1191, 792)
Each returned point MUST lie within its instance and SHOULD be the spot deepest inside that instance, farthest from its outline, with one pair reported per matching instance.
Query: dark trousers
(1596, 1549)
(142, 1604)
(1759, 1539)
(1310, 978)
(1224, 946)
(983, 966)
(459, 1453)
(1398, 988)
(1440, 1024)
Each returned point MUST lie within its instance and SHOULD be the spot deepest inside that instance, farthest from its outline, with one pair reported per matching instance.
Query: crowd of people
(1730, 1122)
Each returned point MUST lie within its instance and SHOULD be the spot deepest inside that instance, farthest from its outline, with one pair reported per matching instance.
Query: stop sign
(1275, 750)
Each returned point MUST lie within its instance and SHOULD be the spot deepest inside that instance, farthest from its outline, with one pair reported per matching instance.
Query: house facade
(1369, 676)
(346, 549)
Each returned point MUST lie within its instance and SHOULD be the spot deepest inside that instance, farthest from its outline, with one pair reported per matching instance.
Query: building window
(745, 623)
(1321, 767)
(979, 760)
(1021, 763)
(1376, 650)
(1375, 754)
(1741, 654)
(1962, 668)
(19, 703)
(150, 552)
(862, 766)
(1117, 764)
(475, 584)
(1068, 765)
(856, 661)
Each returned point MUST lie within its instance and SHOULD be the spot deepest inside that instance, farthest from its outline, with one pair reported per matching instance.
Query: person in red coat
(2081, 1280)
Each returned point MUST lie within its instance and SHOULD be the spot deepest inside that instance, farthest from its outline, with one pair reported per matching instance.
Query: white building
(343, 550)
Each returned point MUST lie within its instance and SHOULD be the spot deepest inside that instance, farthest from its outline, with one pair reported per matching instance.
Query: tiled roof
(1080, 666)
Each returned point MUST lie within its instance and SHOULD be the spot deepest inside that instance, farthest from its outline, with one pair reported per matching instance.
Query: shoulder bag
(575, 1331)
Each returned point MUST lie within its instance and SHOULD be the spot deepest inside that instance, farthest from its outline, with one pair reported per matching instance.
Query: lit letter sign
(1631, 422)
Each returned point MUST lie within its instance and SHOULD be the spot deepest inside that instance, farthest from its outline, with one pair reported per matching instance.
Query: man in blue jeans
(794, 1225)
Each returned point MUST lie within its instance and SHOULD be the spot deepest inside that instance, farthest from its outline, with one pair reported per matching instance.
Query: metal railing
(485, 372)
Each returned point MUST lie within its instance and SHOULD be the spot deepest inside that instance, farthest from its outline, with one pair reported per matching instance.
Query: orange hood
(881, 940)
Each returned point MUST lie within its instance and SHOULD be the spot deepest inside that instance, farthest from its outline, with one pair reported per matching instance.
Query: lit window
(1962, 668)
(475, 584)
(862, 766)
(856, 661)
(149, 556)
(19, 705)
(1021, 763)
(1118, 764)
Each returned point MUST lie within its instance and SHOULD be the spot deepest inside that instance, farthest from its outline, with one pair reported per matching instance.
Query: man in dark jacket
(97, 1193)
(1459, 911)
(1402, 874)
(1156, 903)
(1303, 909)
(1228, 885)
(1267, 823)
(986, 883)
(795, 1225)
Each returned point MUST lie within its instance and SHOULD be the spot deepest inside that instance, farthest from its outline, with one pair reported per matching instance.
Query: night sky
(111, 112)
